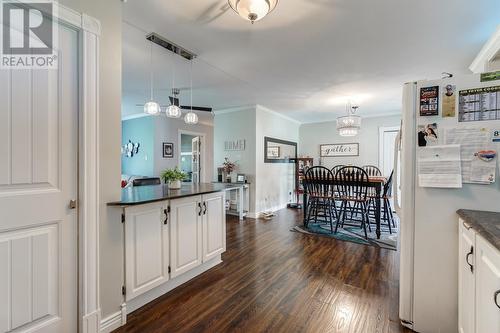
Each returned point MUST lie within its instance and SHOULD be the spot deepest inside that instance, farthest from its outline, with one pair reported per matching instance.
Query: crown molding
(263, 108)
(487, 53)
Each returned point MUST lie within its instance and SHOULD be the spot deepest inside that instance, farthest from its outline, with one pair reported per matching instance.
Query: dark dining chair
(337, 168)
(372, 170)
(318, 181)
(385, 198)
(353, 188)
(146, 181)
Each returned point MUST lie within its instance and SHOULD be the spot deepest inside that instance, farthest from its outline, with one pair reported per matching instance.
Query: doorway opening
(387, 151)
(191, 157)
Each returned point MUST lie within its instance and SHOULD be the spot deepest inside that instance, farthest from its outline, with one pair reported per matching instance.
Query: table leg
(304, 206)
(242, 205)
(377, 209)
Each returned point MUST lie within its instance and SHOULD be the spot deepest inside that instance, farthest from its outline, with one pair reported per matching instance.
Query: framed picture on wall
(168, 150)
(339, 149)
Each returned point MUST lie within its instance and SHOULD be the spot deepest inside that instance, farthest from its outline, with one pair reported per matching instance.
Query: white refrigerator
(428, 241)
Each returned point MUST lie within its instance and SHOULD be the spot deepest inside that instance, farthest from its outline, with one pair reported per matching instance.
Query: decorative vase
(174, 184)
(228, 178)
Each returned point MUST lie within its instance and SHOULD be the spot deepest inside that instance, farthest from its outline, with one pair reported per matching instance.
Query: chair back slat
(352, 183)
(337, 168)
(372, 171)
(388, 186)
(319, 181)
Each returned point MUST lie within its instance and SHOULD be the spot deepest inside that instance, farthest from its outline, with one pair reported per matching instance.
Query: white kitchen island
(170, 236)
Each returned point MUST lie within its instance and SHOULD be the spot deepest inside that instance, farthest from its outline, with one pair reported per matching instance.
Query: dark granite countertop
(487, 224)
(145, 194)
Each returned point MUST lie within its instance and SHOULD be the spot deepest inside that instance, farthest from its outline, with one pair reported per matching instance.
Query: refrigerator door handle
(395, 183)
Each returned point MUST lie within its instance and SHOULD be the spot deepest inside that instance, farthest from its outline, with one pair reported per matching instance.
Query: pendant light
(253, 10)
(191, 118)
(173, 111)
(350, 124)
(151, 107)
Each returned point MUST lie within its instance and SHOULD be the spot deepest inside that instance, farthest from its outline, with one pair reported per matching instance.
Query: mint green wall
(139, 130)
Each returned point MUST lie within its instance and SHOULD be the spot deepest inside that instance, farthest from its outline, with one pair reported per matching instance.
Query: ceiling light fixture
(173, 111)
(191, 118)
(253, 10)
(349, 125)
(151, 107)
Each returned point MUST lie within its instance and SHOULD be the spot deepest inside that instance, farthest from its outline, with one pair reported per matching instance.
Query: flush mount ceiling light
(151, 107)
(191, 118)
(253, 10)
(350, 124)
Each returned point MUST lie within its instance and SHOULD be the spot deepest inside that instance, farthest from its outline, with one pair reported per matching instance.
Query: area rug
(352, 234)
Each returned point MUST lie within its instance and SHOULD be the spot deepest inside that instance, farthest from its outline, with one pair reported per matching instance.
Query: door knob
(72, 204)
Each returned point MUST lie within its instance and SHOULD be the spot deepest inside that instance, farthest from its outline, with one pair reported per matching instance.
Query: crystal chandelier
(253, 10)
(173, 111)
(350, 124)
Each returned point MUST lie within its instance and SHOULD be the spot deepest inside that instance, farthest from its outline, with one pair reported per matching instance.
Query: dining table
(375, 182)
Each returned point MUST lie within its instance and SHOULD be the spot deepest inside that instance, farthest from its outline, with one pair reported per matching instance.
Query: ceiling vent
(172, 47)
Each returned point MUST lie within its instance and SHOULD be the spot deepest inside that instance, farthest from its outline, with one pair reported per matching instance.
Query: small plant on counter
(228, 167)
(173, 177)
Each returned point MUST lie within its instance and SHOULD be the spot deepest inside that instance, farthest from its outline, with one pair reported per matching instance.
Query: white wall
(109, 13)
(167, 130)
(312, 135)
(274, 181)
(237, 125)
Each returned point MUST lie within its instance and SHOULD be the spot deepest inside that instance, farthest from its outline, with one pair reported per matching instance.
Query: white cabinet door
(214, 225)
(466, 279)
(487, 287)
(185, 234)
(146, 248)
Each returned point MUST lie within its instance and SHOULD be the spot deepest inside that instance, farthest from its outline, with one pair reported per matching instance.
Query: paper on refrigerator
(471, 140)
(439, 166)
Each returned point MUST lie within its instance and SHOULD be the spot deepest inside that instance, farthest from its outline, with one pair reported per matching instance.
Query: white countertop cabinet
(479, 283)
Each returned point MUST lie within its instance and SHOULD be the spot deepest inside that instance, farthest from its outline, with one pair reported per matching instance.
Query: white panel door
(38, 178)
(387, 149)
(487, 287)
(146, 248)
(466, 279)
(185, 234)
(214, 225)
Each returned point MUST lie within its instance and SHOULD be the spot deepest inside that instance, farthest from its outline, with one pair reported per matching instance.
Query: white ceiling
(307, 56)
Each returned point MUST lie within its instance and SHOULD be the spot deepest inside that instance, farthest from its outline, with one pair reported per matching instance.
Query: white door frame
(203, 150)
(89, 30)
(381, 131)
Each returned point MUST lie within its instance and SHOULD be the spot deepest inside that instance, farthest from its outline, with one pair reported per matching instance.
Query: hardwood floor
(274, 280)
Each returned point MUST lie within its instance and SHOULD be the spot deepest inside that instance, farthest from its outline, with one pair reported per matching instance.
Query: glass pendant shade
(152, 108)
(191, 118)
(173, 111)
(253, 10)
(348, 125)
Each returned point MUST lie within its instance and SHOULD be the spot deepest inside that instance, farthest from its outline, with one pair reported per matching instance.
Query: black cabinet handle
(471, 252)
(495, 298)
(165, 211)
(199, 206)
(204, 208)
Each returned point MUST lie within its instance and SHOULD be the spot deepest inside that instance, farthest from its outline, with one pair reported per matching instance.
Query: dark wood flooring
(274, 280)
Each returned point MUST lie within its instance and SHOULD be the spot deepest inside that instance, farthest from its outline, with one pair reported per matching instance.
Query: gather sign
(339, 149)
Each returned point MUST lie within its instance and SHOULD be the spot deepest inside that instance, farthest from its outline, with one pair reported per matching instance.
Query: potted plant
(173, 177)
(228, 167)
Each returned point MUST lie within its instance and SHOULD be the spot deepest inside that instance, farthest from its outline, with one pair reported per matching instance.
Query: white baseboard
(91, 321)
(115, 320)
(151, 295)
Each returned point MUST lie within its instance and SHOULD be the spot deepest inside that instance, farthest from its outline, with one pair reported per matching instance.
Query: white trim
(363, 116)
(203, 150)
(488, 52)
(115, 320)
(279, 114)
(151, 295)
(235, 109)
(381, 131)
